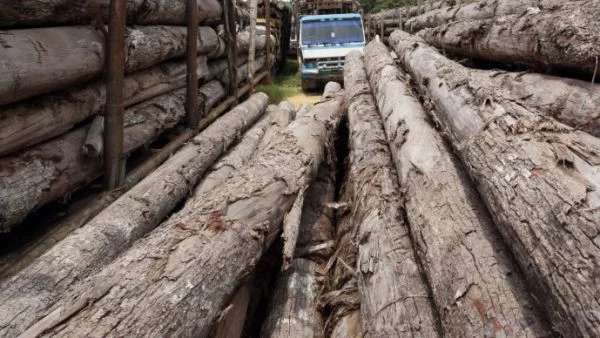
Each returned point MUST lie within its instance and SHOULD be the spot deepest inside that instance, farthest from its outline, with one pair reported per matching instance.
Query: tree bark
(115, 229)
(394, 298)
(36, 13)
(243, 152)
(567, 39)
(476, 10)
(42, 60)
(55, 168)
(293, 311)
(183, 273)
(477, 288)
(538, 178)
(348, 326)
(92, 146)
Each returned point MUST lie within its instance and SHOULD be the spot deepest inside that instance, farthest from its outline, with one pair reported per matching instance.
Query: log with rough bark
(477, 10)
(183, 273)
(93, 143)
(242, 153)
(567, 39)
(294, 304)
(36, 13)
(55, 168)
(394, 297)
(115, 229)
(27, 123)
(42, 60)
(476, 286)
(539, 179)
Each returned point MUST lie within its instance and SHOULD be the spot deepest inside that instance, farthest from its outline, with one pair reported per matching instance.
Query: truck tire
(307, 85)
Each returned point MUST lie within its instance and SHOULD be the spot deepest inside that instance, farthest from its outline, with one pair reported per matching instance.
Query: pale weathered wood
(182, 274)
(278, 123)
(476, 10)
(41, 60)
(394, 298)
(348, 326)
(92, 146)
(231, 323)
(538, 178)
(477, 288)
(35, 13)
(55, 168)
(40, 286)
(242, 153)
(564, 39)
(293, 310)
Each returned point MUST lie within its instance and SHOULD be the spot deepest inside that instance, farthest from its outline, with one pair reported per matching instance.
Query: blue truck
(323, 42)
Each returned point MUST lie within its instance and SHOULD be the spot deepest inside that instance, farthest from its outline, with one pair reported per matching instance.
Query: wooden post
(252, 48)
(268, 42)
(399, 10)
(192, 63)
(382, 28)
(113, 122)
(230, 33)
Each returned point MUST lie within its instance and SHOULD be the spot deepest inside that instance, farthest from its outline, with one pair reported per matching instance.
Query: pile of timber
(53, 89)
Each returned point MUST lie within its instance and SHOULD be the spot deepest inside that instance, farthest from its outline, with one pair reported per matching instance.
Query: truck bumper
(319, 76)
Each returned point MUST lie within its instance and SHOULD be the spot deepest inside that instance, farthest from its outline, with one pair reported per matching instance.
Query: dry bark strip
(293, 309)
(56, 168)
(539, 179)
(394, 298)
(39, 288)
(242, 153)
(476, 10)
(36, 13)
(564, 39)
(278, 123)
(177, 279)
(477, 288)
(42, 60)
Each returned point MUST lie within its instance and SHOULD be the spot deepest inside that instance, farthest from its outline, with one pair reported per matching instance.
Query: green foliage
(374, 6)
(287, 83)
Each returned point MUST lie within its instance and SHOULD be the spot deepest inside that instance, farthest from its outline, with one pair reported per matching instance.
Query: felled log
(93, 144)
(293, 311)
(393, 295)
(565, 39)
(55, 168)
(279, 122)
(348, 326)
(477, 10)
(294, 303)
(36, 13)
(114, 230)
(537, 177)
(42, 60)
(185, 270)
(242, 153)
(465, 260)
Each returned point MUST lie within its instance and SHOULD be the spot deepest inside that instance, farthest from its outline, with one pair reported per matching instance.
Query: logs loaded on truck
(430, 196)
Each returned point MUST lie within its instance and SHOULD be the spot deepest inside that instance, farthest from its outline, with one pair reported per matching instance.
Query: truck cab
(324, 41)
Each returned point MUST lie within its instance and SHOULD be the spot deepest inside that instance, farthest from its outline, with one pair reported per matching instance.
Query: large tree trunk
(55, 168)
(35, 13)
(182, 274)
(393, 295)
(115, 229)
(565, 39)
(242, 153)
(42, 60)
(539, 179)
(294, 304)
(463, 255)
(477, 10)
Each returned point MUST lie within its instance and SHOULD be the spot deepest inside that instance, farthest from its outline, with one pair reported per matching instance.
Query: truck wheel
(306, 85)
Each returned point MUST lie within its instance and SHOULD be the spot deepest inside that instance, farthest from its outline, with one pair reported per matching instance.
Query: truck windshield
(331, 31)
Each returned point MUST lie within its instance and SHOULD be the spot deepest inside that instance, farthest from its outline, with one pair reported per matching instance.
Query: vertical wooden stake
(192, 63)
(113, 122)
(268, 43)
(230, 33)
(252, 48)
(382, 28)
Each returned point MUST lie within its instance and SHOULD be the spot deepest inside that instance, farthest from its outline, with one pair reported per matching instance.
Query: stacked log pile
(52, 88)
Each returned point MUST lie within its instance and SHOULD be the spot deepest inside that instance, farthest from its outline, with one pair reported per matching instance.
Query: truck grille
(334, 63)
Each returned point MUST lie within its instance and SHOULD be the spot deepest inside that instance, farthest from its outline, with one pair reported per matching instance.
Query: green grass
(285, 84)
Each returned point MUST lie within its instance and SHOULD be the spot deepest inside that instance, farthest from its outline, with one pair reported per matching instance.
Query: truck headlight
(310, 64)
